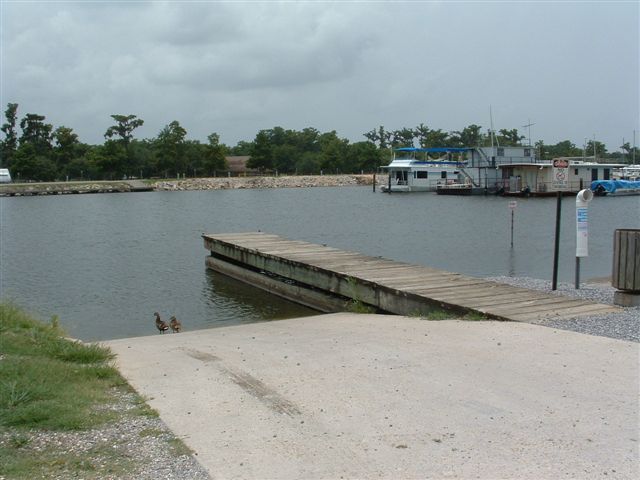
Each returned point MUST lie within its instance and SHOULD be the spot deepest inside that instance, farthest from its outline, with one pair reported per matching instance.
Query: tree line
(37, 151)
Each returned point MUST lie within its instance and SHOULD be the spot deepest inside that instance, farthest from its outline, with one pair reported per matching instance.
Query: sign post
(512, 206)
(582, 229)
(560, 182)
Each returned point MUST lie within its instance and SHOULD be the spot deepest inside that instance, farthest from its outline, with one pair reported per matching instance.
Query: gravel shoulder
(623, 326)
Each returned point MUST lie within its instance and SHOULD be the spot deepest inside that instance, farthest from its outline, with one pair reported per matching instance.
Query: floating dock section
(330, 280)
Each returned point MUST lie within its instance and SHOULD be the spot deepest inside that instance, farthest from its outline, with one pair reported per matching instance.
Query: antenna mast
(493, 133)
(528, 126)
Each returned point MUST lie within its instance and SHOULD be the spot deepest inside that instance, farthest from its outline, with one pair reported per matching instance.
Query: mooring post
(389, 191)
(374, 182)
(556, 250)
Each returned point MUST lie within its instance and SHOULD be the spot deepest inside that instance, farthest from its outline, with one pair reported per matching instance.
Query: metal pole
(556, 250)
(374, 182)
(389, 191)
(577, 273)
(512, 228)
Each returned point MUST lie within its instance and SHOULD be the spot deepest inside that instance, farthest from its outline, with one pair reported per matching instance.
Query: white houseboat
(415, 169)
(520, 179)
(455, 171)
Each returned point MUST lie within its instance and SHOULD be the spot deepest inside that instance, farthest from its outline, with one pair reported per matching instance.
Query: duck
(161, 325)
(175, 324)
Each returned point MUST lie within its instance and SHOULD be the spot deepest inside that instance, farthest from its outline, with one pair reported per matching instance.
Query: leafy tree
(214, 155)
(363, 156)
(241, 148)
(332, 152)
(284, 158)
(470, 136)
(261, 152)
(30, 164)
(118, 148)
(124, 127)
(36, 133)
(402, 138)
(509, 137)
(9, 145)
(629, 151)
(170, 149)
(433, 138)
(421, 132)
(307, 140)
(600, 149)
(380, 137)
(66, 147)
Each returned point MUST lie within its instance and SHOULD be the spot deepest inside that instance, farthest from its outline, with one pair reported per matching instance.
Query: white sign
(513, 204)
(582, 239)
(582, 222)
(560, 180)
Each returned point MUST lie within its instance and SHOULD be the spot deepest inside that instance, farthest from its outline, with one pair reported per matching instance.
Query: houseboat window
(527, 152)
(594, 174)
(422, 174)
(606, 174)
(575, 171)
(500, 152)
(443, 174)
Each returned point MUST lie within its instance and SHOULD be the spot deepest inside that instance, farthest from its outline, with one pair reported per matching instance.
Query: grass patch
(474, 316)
(49, 384)
(48, 381)
(178, 447)
(54, 463)
(439, 315)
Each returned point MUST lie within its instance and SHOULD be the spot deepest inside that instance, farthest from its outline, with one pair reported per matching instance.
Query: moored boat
(414, 169)
(615, 187)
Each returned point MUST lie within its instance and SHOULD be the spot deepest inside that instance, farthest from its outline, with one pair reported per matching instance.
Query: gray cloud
(235, 68)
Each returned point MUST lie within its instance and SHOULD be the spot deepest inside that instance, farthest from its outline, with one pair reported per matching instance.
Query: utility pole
(528, 126)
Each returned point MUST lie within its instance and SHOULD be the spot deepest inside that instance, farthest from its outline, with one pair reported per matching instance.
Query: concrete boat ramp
(380, 396)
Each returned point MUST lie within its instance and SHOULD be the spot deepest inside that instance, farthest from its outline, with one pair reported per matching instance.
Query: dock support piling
(556, 249)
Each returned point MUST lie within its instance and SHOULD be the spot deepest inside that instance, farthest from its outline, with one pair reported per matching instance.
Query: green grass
(49, 384)
(48, 381)
(21, 463)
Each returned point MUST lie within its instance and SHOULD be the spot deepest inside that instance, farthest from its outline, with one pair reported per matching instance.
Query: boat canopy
(434, 149)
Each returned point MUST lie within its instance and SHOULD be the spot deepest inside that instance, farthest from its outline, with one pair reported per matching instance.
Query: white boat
(469, 170)
(629, 172)
(413, 169)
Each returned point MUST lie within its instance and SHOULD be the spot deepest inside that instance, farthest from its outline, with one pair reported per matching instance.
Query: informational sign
(513, 204)
(582, 222)
(582, 239)
(560, 180)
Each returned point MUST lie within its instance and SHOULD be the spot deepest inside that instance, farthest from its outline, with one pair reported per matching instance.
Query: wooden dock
(330, 279)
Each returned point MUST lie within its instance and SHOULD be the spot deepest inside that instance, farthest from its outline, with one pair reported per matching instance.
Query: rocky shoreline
(281, 181)
(211, 183)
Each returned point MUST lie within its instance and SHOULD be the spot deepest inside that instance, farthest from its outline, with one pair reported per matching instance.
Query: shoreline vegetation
(181, 184)
(66, 412)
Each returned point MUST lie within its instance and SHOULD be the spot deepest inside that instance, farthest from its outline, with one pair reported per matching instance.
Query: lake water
(104, 263)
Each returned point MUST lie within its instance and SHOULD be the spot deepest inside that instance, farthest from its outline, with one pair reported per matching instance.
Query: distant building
(238, 165)
(538, 179)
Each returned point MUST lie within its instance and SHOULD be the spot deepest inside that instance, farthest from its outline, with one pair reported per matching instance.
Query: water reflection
(250, 304)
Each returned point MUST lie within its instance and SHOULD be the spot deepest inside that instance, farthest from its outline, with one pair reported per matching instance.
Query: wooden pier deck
(329, 279)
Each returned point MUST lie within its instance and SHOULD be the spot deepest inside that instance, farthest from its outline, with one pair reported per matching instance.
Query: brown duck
(175, 325)
(161, 325)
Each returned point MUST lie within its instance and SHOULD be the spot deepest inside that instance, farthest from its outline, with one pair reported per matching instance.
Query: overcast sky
(571, 68)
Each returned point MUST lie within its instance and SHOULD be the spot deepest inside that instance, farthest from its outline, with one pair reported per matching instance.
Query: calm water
(105, 263)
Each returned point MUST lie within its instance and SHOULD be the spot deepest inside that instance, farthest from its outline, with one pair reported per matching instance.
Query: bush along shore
(65, 412)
